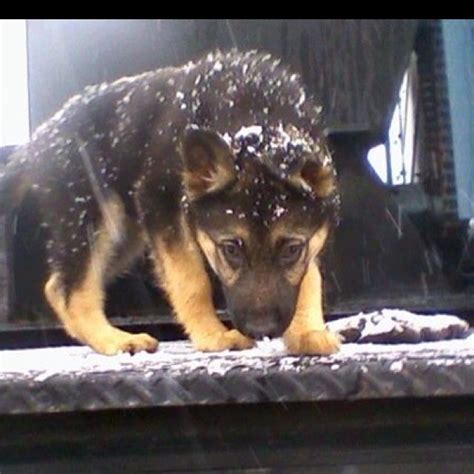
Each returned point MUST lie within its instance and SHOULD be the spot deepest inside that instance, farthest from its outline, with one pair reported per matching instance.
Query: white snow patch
(396, 366)
(249, 131)
(279, 211)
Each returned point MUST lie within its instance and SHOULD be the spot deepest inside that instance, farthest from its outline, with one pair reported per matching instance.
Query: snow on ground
(179, 357)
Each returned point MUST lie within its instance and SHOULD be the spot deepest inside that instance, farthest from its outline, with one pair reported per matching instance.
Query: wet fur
(107, 172)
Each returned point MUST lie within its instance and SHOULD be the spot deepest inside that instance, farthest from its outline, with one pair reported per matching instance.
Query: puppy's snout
(258, 326)
(259, 331)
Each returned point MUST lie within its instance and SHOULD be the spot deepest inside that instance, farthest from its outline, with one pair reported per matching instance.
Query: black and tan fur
(164, 162)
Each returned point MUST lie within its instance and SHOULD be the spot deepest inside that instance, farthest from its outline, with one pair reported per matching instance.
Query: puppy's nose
(258, 328)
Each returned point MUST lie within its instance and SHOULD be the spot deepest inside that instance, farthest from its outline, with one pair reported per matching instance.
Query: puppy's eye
(290, 251)
(233, 251)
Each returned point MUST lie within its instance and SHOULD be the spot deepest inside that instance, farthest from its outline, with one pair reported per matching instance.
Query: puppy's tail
(14, 182)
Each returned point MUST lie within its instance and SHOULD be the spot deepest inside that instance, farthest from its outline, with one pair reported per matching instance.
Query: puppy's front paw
(121, 341)
(313, 343)
(222, 341)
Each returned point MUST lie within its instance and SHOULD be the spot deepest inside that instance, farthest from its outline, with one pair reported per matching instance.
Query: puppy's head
(261, 203)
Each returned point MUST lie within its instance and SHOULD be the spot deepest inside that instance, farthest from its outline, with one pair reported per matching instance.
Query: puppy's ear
(208, 162)
(317, 178)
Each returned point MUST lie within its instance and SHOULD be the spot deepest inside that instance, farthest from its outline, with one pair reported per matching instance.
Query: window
(394, 161)
(14, 115)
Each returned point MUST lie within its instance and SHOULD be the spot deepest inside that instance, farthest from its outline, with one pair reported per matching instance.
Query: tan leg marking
(183, 276)
(83, 316)
(307, 333)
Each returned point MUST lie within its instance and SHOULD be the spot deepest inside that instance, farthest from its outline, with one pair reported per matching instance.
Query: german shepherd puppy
(222, 160)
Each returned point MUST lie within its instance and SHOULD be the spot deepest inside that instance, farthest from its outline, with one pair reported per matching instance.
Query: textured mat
(75, 378)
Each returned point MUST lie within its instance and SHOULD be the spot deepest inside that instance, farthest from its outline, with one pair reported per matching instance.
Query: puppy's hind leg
(77, 296)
